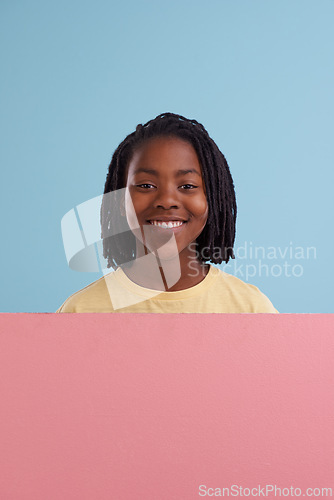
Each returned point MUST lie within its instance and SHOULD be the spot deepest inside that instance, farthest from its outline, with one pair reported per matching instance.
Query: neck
(167, 275)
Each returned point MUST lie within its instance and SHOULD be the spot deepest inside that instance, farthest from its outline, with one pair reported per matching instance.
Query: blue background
(78, 76)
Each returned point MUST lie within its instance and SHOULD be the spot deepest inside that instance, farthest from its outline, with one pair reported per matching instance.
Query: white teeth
(166, 225)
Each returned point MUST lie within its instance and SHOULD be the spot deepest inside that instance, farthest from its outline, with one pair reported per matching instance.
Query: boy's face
(165, 196)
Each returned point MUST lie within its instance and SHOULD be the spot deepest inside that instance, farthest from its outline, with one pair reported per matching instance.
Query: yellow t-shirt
(218, 292)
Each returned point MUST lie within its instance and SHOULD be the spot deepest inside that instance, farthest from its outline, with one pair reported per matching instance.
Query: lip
(167, 219)
(164, 229)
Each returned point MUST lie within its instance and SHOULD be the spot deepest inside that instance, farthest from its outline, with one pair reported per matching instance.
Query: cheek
(130, 212)
(201, 209)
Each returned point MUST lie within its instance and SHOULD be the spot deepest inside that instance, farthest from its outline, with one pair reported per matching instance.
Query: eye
(145, 186)
(188, 186)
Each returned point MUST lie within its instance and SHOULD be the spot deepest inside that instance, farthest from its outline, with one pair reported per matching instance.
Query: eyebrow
(178, 173)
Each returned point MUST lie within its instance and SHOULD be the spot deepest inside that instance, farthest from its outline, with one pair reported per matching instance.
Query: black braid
(219, 231)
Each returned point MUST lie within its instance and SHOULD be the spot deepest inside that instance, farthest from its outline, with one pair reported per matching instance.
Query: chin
(166, 256)
(166, 250)
(163, 244)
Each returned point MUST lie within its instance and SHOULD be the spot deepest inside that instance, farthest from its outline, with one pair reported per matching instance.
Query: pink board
(155, 407)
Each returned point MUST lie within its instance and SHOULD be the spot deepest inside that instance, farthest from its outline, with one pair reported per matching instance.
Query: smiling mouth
(167, 225)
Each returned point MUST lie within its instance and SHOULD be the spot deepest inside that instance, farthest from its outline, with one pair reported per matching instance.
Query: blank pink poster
(163, 407)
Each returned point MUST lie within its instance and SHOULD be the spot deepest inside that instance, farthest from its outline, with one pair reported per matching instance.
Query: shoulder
(92, 298)
(248, 297)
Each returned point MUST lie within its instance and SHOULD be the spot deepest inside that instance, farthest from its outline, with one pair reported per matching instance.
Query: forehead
(171, 152)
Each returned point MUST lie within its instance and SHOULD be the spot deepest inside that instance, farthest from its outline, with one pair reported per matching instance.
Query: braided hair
(219, 231)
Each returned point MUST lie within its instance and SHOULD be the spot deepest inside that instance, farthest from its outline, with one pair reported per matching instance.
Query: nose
(166, 198)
